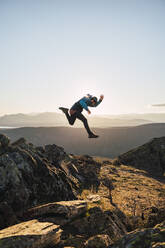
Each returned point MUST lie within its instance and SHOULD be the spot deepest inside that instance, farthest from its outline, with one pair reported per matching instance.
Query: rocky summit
(49, 198)
(150, 157)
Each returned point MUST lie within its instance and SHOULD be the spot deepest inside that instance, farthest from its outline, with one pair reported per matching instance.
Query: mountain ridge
(111, 143)
(58, 119)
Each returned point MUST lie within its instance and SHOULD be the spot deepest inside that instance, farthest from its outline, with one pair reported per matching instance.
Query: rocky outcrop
(146, 238)
(149, 157)
(28, 178)
(65, 200)
(30, 234)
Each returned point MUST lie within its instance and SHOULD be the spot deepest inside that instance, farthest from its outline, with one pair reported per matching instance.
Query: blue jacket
(86, 101)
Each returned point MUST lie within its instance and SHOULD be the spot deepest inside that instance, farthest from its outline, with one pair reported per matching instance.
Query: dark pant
(77, 109)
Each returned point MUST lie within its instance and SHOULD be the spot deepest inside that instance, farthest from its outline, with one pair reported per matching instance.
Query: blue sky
(55, 51)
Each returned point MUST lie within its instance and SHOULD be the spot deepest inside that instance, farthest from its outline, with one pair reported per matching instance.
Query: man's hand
(102, 97)
(89, 112)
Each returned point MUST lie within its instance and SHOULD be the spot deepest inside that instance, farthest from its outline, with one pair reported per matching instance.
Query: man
(77, 108)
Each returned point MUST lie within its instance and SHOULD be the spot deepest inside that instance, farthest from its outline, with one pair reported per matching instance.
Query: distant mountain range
(49, 119)
(112, 142)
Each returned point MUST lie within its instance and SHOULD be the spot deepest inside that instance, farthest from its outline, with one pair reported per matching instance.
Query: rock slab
(60, 212)
(30, 234)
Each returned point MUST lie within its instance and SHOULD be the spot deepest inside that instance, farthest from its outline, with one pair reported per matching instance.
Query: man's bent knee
(71, 123)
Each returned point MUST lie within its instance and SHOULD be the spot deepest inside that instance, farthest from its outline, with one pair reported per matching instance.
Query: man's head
(93, 100)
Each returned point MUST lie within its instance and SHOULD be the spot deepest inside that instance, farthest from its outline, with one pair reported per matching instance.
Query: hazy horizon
(54, 119)
(84, 112)
(54, 52)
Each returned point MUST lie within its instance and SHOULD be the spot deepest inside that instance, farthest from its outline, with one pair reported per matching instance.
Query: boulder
(98, 241)
(89, 170)
(4, 143)
(59, 212)
(20, 142)
(4, 140)
(54, 153)
(30, 234)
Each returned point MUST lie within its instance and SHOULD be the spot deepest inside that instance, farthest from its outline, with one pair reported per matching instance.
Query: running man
(76, 111)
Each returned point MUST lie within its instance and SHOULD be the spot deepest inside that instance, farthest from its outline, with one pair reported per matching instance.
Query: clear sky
(52, 52)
